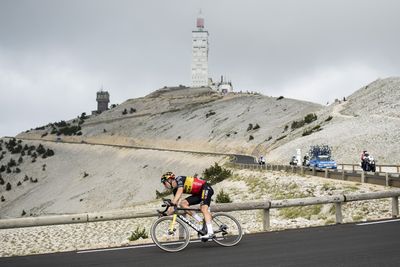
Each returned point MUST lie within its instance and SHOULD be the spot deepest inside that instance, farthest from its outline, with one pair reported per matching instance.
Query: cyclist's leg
(192, 200)
(205, 205)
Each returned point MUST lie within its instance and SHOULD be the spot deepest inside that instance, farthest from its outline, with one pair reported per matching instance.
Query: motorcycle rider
(363, 159)
(367, 162)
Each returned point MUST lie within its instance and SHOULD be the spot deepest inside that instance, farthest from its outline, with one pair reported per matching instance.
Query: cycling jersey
(191, 185)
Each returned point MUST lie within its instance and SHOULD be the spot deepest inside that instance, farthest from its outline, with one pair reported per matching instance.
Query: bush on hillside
(163, 194)
(250, 127)
(297, 124)
(11, 163)
(310, 118)
(216, 174)
(138, 233)
(223, 197)
(210, 113)
(280, 138)
(8, 187)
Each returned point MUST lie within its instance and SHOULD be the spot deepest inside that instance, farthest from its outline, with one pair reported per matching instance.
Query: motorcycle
(368, 164)
(261, 160)
(293, 161)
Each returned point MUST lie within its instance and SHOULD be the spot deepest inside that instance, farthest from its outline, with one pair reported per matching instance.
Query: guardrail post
(395, 206)
(313, 170)
(380, 168)
(387, 178)
(338, 207)
(362, 177)
(343, 175)
(353, 167)
(266, 220)
(302, 170)
(326, 173)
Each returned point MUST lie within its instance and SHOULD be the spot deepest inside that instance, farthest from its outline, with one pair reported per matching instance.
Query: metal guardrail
(380, 168)
(338, 200)
(379, 178)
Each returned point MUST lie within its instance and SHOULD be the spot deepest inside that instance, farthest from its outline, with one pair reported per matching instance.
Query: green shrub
(210, 113)
(329, 118)
(163, 194)
(124, 112)
(2, 168)
(279, 98)
(83, 116)
(286, 127)
(223, 197)
(251, 137)
(250, 127)
(216, 174)
(256, 127)
(297, 124)
(138, 233)
(307, 132)
(310, 118)
(8, 187)
(280, 138)
(11, 163)
(49, 152)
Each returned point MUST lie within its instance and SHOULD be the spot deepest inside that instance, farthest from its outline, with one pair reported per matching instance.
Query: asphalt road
(243, 159)
(375, 244)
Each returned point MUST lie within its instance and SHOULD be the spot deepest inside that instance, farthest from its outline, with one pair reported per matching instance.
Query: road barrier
(266, 206)
(379, 178)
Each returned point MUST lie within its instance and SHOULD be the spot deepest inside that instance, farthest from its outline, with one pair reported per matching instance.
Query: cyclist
(200, 191)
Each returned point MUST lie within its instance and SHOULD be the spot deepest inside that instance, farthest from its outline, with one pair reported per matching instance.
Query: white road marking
(389, 221)
(121, 248)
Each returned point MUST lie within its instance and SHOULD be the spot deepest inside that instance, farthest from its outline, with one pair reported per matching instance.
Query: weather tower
(199, 54)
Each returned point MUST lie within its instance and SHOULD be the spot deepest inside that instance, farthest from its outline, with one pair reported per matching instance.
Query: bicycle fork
(171, 229)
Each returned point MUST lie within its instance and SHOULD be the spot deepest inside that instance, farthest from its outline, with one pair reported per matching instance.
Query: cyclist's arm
(177, 196)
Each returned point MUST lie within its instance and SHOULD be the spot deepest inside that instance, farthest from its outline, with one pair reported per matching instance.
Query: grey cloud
(63, 51)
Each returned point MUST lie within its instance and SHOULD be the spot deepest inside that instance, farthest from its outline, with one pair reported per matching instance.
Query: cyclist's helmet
(166, 176)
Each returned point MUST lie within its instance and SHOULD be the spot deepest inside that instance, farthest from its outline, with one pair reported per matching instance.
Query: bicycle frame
(183, 218)
(180, 216)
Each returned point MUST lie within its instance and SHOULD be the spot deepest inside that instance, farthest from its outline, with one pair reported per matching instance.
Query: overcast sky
(56, 54)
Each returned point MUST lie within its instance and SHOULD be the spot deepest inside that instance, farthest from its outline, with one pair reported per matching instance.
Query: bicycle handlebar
(167, 204)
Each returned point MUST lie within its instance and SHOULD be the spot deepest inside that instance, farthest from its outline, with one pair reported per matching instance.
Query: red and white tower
(200, 54)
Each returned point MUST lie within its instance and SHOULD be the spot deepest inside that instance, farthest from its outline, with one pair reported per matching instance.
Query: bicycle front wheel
(169, 235)
(227, 230)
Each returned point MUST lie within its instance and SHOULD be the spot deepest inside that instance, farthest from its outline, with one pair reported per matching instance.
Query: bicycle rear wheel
(227, 230)
(170, 239)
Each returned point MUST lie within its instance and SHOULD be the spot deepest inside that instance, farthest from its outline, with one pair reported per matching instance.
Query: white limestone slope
(117, 178)
(368, 120)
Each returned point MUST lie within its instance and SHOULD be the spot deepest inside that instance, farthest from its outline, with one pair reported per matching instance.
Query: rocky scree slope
(368, 120)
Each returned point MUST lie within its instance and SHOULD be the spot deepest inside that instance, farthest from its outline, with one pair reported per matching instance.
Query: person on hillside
(201, 193)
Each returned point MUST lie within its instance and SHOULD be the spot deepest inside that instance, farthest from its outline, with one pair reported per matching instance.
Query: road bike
(171, 232)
